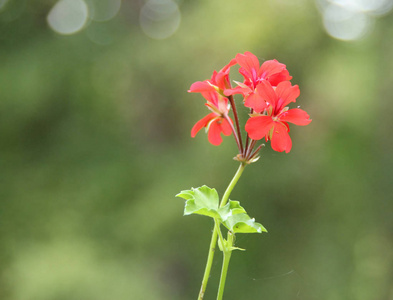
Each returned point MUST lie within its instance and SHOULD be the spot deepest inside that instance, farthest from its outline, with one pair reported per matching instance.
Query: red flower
(218, 82)
(217, 121)
(274, 126)
(271, 71)
(215, 125)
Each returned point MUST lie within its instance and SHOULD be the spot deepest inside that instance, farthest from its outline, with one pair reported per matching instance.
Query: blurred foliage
(93, 136)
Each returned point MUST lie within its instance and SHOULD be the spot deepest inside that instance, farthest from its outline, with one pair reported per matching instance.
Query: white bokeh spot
(345, 24)
(350, 20)
(68, 16)
(159, 19)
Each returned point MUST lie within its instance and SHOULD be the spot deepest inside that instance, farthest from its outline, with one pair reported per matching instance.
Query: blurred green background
(95, 124)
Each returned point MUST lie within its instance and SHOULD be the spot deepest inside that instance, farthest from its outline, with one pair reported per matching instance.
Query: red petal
(211, 97)
(281, 140)
(200, 86)
(222, 80)
(201, 123)
(222, 77)
(286, 94)
(214, 136)
(226, 127)
(275, 79)
(249, 62)
(237, 90)
(256, 102)
(258, 127)
(267, 93)
(270, 67)
(230, 64)
(246, 76)
(296, 116)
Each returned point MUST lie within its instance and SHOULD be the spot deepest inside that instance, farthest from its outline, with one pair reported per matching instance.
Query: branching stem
(213, 241)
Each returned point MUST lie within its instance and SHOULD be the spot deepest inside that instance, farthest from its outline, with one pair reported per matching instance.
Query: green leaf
(201, 201)
(231, 208)
(185, 195)
(206, 197)
(192, 208)
(236, 208)
(242, 223)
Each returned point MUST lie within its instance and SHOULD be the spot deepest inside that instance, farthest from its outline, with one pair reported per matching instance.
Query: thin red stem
(246, 147)
(247, 139)
(255, 153)
(230, 98)
(238, 142)
(251, 146)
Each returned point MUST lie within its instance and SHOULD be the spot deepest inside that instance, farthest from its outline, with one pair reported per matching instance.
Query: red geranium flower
(271, 71)
(219, 81)
(274, 126)
(216, 122)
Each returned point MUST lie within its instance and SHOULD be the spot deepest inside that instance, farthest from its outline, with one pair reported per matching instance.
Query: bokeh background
(95, 124)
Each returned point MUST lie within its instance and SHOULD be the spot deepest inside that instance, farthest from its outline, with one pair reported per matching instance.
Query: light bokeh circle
(345, 24)
(159, 19)
(68, 16)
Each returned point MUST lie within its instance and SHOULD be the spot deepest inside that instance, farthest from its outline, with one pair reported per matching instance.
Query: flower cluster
(266, 91)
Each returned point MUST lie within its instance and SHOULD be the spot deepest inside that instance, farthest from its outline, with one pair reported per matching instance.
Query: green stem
(213, 241)
(220, 237)
(209, 263)
(225, 264)
(224, 271)
(232, 184)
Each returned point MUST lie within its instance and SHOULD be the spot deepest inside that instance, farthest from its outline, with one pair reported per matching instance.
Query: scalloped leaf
(206, 197)
(201, 201)
(236, 208)
(242, 223)
(192, 208)
(231, 208)
(187, 194)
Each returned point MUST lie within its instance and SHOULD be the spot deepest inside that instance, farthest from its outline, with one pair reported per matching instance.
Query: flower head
(266, 90)
(254, 75)
(217, 121)
(274, 124)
